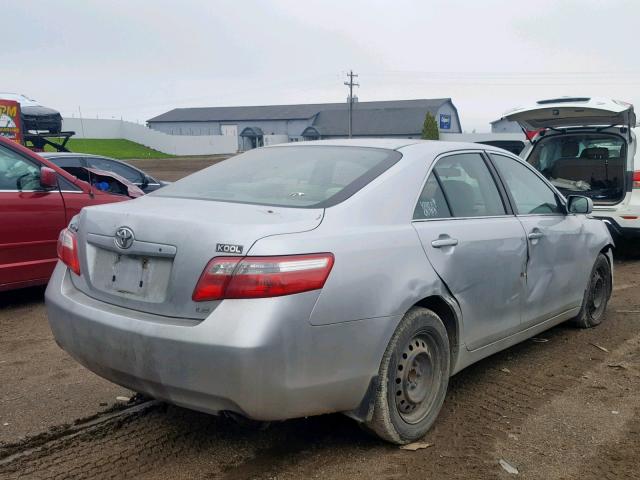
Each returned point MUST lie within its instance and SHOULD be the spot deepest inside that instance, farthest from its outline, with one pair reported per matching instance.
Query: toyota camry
(352, 276)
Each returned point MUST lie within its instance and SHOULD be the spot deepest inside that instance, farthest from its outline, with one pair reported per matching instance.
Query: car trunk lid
(148, 254)
(572, 112)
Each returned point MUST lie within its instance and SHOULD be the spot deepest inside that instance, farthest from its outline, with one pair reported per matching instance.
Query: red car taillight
(260, 277)
(636, 179)
(68, 250)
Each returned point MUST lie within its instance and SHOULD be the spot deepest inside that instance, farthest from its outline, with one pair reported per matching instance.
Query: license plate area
(138, 277)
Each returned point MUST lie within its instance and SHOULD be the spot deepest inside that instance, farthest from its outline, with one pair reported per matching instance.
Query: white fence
(172, 144)
(210, 144)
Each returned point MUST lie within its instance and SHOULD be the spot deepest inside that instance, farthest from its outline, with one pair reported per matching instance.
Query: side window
(530, 194)
(72, 165)
(65, 162)
(468, 186)
(107, 165)
(431, 203)
(67, 186)
(17, 173)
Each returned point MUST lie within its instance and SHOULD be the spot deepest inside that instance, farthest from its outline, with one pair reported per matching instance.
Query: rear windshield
(591, 164)
(306, 176)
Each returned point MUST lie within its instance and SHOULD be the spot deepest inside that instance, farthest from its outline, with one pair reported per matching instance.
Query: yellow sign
(10, 122)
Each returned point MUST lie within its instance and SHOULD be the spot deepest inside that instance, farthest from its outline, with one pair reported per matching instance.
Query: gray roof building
(371, 122)
(395, 118)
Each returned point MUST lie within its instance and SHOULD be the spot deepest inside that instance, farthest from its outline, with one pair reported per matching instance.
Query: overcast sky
(136, 59)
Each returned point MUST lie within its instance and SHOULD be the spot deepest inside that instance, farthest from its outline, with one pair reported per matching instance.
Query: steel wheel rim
(598, 293)
(417, 376)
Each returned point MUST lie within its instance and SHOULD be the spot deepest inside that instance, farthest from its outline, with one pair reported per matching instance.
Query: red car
(37, 200)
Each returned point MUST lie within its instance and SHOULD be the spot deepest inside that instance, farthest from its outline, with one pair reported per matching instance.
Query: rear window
(308, 177)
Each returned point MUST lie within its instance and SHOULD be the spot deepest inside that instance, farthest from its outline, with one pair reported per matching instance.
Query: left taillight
(68, 250)
(261, 277)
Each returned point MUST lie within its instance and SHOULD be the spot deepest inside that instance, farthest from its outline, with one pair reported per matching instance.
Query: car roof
(54, 155)
(388, 143)
(72, 154)
(23, 100)
(435, 147)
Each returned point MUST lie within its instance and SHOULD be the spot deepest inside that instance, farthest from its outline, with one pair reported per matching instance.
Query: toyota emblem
(124, 237)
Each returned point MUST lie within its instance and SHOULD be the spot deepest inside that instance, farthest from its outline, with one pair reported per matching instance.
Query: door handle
(444, 242)
(536, 235)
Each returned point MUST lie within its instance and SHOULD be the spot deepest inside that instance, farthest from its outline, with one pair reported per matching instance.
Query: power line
(350, 84)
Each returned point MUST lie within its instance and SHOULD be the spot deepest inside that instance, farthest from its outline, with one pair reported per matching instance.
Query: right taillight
(68, 250)
(261, 277)
(636, 179)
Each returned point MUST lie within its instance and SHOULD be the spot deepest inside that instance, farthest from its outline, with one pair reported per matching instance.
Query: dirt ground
(561, 408)
(175, 168)
(565, 406)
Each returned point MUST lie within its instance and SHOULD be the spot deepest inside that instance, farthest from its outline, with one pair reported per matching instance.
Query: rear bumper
(260, 358)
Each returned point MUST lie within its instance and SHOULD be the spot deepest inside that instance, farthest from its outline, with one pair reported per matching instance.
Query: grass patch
(114, 148)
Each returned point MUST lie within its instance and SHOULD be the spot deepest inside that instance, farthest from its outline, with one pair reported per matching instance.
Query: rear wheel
(596, 296)
(413, 378)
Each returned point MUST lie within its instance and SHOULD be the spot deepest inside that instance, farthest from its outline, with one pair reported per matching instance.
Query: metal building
(260, 125)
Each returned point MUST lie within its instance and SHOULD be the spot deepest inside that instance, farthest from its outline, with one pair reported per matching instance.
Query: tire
(413, 378)
(596, 295)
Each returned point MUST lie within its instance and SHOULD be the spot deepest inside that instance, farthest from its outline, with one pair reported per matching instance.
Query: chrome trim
(419, 220)
(137, 247)
(41, 191)
(29, 191)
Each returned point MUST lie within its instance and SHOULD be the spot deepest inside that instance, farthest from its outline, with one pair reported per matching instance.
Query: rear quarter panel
(380, 267)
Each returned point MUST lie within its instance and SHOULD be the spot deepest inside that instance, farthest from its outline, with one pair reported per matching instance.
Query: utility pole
(350, 84)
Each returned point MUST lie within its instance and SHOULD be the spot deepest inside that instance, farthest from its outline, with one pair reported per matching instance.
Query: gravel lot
(565, 407)
(175, 168)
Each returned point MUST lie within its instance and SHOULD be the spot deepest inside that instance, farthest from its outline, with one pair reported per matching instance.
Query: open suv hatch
(586, 146)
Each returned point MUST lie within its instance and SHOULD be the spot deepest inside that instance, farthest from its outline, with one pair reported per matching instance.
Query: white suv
(587, 146)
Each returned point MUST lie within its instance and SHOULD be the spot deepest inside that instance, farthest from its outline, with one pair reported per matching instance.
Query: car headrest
(595, 153)
(570, 149)
(460, 196)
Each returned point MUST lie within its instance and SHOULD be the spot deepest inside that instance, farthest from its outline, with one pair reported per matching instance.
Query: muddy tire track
(489, 406)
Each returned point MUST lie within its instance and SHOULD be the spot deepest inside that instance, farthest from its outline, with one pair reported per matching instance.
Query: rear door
(475, 244)
(556, 268)
(31, 221)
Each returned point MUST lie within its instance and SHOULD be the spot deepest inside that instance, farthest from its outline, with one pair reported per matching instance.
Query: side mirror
(48, 178)
(145, 181)
(579, 204)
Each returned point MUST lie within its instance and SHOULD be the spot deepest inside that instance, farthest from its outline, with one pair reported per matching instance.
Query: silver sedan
(333, 276)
